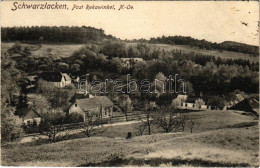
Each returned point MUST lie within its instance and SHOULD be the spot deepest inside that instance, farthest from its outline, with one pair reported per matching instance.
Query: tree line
(203, 44)
(61, 34)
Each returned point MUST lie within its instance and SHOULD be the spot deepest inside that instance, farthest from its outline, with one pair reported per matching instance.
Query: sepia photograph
(130, 83)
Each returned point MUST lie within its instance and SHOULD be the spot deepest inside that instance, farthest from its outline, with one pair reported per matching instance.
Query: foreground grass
(233, 143)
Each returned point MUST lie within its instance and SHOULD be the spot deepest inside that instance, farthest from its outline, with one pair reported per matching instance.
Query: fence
(131, 116)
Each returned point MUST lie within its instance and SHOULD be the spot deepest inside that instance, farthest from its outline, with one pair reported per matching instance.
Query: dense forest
(45, 34)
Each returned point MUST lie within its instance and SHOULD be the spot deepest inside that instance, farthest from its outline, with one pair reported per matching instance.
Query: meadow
(187, 49)
(58, 50)
(220, 138)
(66, 50)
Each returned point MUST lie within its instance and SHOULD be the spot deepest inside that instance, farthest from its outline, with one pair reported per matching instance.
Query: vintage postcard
(130, 83)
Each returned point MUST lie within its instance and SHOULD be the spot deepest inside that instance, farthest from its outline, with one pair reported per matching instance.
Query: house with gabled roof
(67, 79)
(96, 107)
(31, 116)
(250, 104)
(58, 79)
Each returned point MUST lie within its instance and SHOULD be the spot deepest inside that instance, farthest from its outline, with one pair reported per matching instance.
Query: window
(76, 105)
(105, 113)
(96, 115)
(28, 122)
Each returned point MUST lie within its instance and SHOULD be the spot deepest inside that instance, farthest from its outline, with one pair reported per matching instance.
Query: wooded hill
(45, 34)
(66, 34)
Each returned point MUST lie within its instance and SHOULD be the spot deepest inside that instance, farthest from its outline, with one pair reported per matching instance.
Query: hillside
(66, 50)
(217, 53)
(59, 50)
(222, 138)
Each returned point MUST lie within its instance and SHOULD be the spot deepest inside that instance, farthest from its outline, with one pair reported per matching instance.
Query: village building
(180, 99)
(31, 117)
(183, 102)
(67, 79)
(58, 79)
(250, 104)
(75, 79)
(128, 62)
(95, 107)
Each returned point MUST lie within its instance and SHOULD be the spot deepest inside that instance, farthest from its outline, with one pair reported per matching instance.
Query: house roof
(90, 103)
(32, 78)
(52, 76)
(66, 76)
(182, 97)
(135, 59)
(31, 114)
(240, 97)
(248, 104)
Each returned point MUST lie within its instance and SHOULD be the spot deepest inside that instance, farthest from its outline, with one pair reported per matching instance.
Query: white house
(58, 79)
(96, 107)
(30, 117)
(67, 79)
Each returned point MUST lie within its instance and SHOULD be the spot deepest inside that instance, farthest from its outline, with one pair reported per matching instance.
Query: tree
(75, 67)
(89, 125)
(11, 125)
(216, 102)
(75, 118)
(40, 104)
(16, 48)
(41, 39)
(10, 79)
(125, 103)
(63, 67)
(58, 97)
(188, 88)
(149, 109)
(160, 83)
(26, 51)
(170, 119)
(199, 102)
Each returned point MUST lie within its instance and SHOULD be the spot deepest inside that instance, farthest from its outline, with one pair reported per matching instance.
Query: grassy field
(220, 138)
(184, 48)
(66, 50)
(59, 50)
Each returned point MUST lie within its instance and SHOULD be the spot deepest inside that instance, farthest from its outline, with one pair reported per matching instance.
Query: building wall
(67, 82)
(31, 120)
(107, 112)
(204, 107)
(74, 108)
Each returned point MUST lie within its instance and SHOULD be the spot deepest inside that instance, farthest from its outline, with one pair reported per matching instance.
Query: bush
(74, 118)
(11, 125)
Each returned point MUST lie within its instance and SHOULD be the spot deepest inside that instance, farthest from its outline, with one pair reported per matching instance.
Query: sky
(215, 21)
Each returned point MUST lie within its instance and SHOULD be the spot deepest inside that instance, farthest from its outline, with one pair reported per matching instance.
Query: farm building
(181, 99)
(96, 107)
(128, 62)
(248, 104)
(30, 117)
(58, 79)
(67, 79)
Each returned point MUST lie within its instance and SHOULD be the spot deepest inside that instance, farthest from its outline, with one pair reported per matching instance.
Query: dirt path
(35, 137)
